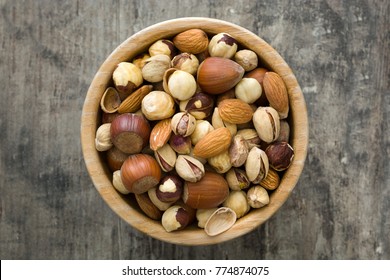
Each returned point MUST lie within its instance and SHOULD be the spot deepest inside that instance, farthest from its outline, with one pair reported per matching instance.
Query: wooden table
(50, 51)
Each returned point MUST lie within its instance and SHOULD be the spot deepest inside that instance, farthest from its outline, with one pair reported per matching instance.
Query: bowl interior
(125, 206)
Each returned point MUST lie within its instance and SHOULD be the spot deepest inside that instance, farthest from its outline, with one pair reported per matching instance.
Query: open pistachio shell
(110, 100)
(220, 221)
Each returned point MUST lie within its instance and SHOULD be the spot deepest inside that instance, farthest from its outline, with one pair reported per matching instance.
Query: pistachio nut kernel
(183, 124)
(256, 165)
(189, 168)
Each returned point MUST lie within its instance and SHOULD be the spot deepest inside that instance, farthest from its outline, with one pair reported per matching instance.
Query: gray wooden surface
(50, 51)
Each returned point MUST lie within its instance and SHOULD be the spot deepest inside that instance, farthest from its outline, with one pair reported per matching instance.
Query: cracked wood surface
(338, 50)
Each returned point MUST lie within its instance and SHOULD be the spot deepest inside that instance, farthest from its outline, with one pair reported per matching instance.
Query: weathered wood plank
(49, 208)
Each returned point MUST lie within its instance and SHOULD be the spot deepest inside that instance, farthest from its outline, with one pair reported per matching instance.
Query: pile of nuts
(196, 130)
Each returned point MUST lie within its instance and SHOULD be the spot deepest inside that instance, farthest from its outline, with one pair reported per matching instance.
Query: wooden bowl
(127, 208)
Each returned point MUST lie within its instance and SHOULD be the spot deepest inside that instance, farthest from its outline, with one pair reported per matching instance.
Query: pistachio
(155, 67)
(267, 123)
(237, 202)
(256, 165)
(180, 84)
(238, 151)
(186, 62)
(183, 124)
(251, 137)
(248, 90)
(200, 105)
(158, 105)
(257, 197)
(189, 168)
(237, 179)
(163, 46)
(181, 145)
(217, 122)
(247, 59)
(221, 162)
(103, 138)
(202, 128)
(166, 157)
(280, 155)
(126, 77)
(222, 45)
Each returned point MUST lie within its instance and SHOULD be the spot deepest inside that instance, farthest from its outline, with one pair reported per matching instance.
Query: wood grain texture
(51, 51)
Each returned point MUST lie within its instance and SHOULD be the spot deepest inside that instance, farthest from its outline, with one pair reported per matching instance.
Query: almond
(191, 41)
(132, 103)
(235, 111)
(160, 134)
(214, 143)
(276, 93)
(147, 206)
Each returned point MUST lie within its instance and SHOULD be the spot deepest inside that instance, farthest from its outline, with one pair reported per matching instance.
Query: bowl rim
(134, 45)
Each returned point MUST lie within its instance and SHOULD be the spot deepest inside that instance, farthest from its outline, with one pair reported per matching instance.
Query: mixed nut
(196, 130)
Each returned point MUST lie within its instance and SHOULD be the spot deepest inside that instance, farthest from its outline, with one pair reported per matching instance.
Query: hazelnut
(257, 197)
(130, 133)
(140, 60)
(267, 123)
(155, 67)
(217, 122)
(280, 155)
(248, 90)
(221, 162)
(158, 105)
(148, 207)
(170, 189)
(183, 124)
(222, 45)
(181, 145)
(140, 172)
(200, 105)
(189, 168)
(180, 84)
(161, 205)
(247, 59)
(175, 218)
(209, 192)
(118, 184)
(103, 138)
(163, 46)
(202, 128)
(115, 158)
(237, 202)
(202, 215)
(256, 165)
(237, 179)
(186, 62)
(238, 151)
(166, 157)
(126, 77)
